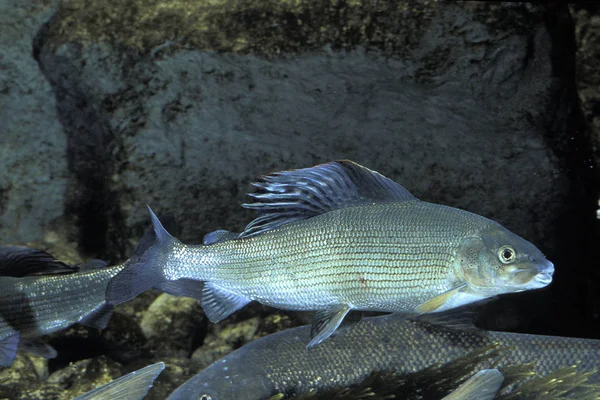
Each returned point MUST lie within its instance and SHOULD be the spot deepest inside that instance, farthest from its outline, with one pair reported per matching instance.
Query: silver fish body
(33, 306)
(338, 237)
(40, 305)
(40, 295)
(382, 257)
(279, 363)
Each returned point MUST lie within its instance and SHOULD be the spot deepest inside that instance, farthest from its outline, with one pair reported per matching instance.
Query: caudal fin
(146, 272)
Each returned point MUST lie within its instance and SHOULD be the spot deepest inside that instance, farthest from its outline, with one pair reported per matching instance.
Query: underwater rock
(43, 392)
(123, 339)
(450, 100)
(20, 375)
(223, 340)
(178, 371)
(174, 325)
(40, 364)
(586, 18)
(32, 144)
(274, 323)
(84, 375)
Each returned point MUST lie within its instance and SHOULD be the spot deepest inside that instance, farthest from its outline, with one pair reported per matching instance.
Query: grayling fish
(33, 305)
(133, 386)
(279, 363)
(40, 295)
(340, 237)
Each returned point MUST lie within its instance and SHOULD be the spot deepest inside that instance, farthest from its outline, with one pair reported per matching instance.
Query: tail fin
(146, 272)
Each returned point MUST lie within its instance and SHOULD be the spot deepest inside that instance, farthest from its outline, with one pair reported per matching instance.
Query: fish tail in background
(140, 276)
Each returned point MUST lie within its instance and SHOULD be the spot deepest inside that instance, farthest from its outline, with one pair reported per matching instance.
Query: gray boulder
(453, 102)
(33, 153)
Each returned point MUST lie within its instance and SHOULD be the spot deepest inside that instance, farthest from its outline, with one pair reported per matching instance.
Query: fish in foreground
(133, 386)
(340, 237)
(40, 295)
(279, 363)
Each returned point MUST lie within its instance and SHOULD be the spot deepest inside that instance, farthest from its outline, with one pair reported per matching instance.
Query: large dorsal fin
(289, 196)
(19, 261)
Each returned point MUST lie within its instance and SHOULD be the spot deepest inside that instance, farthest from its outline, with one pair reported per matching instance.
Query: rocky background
(107, 106)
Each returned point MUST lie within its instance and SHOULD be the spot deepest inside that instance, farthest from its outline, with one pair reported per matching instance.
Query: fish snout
(531, 274)
(545, 273)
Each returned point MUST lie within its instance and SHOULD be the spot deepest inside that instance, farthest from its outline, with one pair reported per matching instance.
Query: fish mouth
(544, 276)
(533, 276)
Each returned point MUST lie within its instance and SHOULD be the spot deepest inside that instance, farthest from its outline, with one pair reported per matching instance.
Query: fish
(279, 363)
(37, 298)
(40, 295)
(133, 386)
(339, 237)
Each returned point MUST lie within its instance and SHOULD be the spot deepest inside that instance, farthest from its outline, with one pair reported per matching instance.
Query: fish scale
(39, 305)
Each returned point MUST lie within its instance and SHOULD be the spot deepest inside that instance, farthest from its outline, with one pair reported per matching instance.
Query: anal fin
(219, 303)
(439, 300)
(326, 322)
(8, 349)
(99, 317)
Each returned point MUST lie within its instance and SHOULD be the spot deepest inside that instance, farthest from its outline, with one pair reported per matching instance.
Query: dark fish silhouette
(279, 363)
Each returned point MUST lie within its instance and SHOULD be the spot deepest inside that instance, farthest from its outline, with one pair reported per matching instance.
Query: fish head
(226, 379)
(496, 261)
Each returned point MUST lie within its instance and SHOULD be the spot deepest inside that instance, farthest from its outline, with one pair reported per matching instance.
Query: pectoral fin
(326, 322)
(439, 300)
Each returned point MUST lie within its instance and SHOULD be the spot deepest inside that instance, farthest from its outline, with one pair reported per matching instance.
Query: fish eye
(507, 254)
(205, 397)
